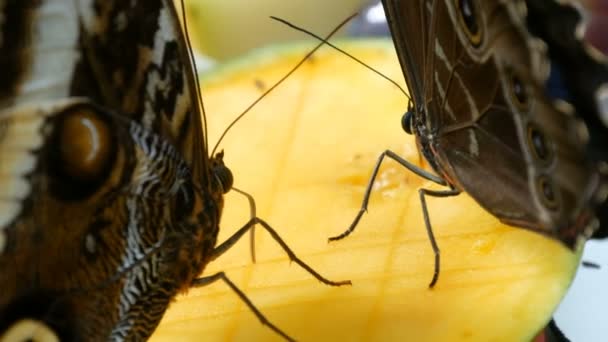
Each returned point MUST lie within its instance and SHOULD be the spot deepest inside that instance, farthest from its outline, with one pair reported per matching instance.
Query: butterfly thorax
(425, 139)
(193, 242)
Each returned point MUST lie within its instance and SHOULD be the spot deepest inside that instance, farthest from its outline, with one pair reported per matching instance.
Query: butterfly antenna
(304, 59)
(324, 40)
(193, 63)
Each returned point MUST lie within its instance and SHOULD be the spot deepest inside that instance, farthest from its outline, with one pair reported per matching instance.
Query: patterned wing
(583, 76)
(581, 72)
(490, 128)
(106, 211)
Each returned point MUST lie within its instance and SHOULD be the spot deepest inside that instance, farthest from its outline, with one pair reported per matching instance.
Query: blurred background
(225, 29)
(221, 30)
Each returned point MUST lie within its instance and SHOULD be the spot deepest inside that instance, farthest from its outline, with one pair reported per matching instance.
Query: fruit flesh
(305, 153)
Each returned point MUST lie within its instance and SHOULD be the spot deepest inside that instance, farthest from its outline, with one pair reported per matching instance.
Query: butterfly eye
(407, 122)
(538, 144)
(224, 175)
(547, 192)
(469, 20)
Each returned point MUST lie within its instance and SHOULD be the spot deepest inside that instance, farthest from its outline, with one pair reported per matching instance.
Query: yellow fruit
(305, 153)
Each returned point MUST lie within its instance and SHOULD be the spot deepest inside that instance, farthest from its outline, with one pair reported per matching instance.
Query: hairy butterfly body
(486, 122)
(109, 204)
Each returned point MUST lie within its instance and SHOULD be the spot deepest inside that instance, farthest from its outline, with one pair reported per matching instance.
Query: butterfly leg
(203, 281)
(221, 249)
(394, 156)
(252, 214)
(226, 245)
(427, 223)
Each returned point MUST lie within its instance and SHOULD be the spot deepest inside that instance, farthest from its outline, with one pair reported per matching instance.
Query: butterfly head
(221, 173)
(407, 121)
(413, 121)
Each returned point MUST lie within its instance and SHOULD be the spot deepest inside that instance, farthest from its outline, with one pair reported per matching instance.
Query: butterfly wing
(493, 131)
(584, 75)
(584, 70)
(98, 173)
(412, 20)
(136, 62)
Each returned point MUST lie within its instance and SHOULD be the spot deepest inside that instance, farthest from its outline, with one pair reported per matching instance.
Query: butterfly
(486, 121)
(110, 205)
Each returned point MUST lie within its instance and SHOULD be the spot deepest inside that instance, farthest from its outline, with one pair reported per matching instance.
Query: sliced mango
(305, 152)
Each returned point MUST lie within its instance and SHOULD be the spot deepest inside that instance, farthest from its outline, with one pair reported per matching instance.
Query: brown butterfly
(109, 204)
(486, 121)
